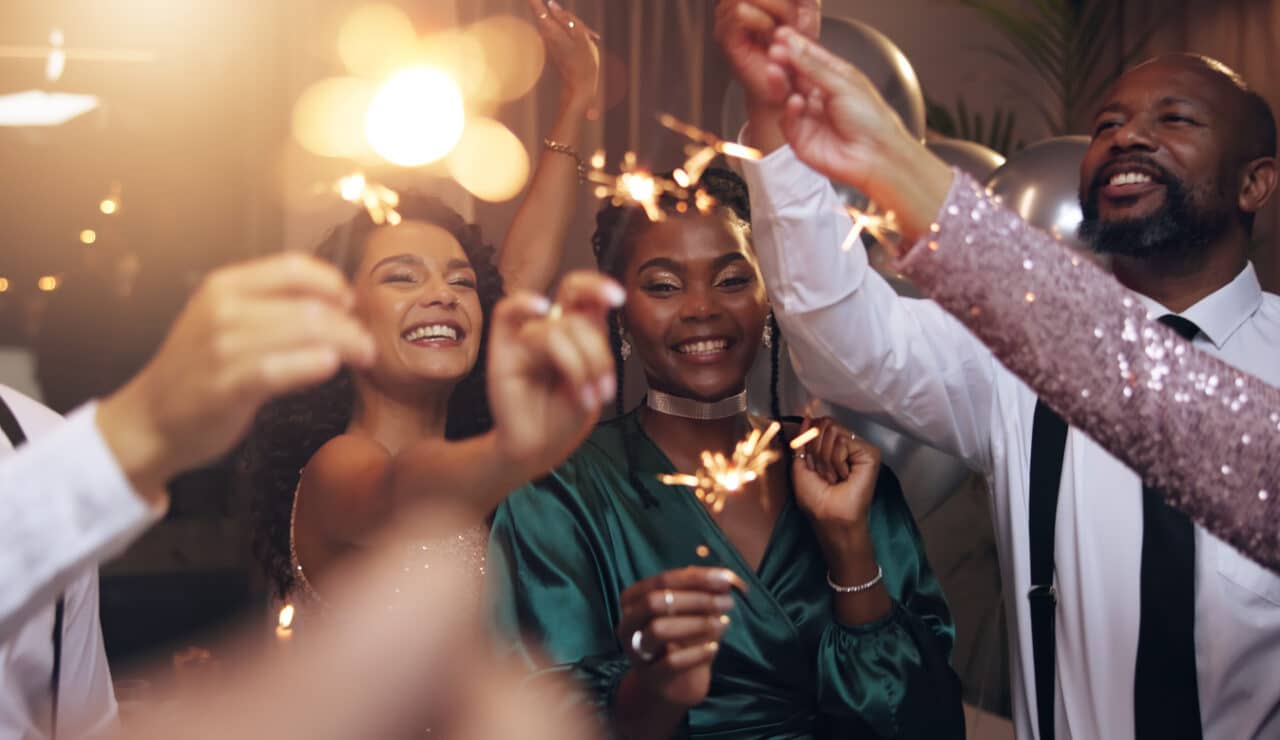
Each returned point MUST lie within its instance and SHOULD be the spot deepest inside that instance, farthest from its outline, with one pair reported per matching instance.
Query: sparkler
(722, 476)
(883, 227)
(638, 187)
(379, 200)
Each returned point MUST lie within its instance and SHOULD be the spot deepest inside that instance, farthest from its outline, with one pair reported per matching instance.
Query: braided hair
(619, 227)
(290, 430)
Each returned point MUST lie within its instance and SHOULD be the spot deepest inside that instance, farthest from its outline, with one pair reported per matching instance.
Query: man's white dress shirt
(64, 506)
(911, 366)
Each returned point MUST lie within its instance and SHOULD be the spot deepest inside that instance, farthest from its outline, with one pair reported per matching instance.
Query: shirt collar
(1223, 311)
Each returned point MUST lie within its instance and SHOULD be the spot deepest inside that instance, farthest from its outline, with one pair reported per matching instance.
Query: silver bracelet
(860, 587)
(554, 146)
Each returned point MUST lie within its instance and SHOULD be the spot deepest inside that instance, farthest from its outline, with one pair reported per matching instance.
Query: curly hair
(290, 430)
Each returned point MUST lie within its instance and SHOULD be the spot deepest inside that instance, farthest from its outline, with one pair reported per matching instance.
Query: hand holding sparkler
(550, 369)
(670, 629)
(837, 122)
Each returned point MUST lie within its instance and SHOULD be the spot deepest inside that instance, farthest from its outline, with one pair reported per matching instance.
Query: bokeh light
(48, 283)
(514, 56)
(459, 55)
(415, 118)
(88, 236)
(490, 161)
(329, 117)
(4, 285)
(109, 206)
(376, 40)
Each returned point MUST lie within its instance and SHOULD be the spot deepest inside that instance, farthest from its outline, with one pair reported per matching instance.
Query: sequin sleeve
(1205, 433)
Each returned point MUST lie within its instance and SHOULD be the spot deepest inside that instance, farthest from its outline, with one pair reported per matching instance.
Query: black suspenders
(13, 430)
(1048, 445)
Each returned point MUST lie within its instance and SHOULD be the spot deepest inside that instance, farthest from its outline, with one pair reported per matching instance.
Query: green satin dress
(563, 549)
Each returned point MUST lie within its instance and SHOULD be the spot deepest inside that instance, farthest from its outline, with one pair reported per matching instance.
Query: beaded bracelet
(555, 146)
(860, 587)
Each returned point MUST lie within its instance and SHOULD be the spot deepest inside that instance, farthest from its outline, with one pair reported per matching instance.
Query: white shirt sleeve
(905, 363)
(65, 505)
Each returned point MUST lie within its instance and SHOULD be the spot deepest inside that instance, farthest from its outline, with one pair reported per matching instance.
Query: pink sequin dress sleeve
(1205, 433)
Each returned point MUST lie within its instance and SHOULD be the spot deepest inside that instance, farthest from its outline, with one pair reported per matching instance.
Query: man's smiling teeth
(434, 331)
(703, 347)
(1129, 178)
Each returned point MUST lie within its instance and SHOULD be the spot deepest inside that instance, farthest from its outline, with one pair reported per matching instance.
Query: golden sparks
(805, 437)
(380, 201)
(720, 476)
(639, 187)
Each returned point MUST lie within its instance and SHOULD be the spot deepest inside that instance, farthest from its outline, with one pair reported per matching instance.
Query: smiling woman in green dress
(804, 608)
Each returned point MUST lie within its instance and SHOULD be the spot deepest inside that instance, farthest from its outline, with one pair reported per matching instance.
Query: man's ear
(1257, 183)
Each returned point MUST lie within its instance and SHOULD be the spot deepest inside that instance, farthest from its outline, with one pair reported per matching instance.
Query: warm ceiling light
(39, 108)
(48, 283)
(416, 117)
(88, 236)
(4, 285)
(108, 206)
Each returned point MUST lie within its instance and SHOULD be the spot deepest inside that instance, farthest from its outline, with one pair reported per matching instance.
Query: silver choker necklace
(687, 408)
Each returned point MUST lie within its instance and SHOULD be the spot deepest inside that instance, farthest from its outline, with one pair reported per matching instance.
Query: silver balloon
(873, 53)
(1041, 183)
(970, 156)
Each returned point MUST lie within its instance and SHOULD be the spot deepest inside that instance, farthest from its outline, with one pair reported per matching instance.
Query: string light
(88, 236)
(47, 283)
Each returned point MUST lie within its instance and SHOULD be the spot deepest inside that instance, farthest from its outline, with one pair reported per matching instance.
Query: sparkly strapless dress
(467, 547)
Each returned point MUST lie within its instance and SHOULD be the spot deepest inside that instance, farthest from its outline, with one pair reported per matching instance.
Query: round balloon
(1041, 183)
(873, 53)
(970, 156)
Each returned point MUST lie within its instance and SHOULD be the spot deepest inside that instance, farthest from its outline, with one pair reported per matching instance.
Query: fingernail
(554, 6)
(723, 603)
(724, 575)
(608, 387)
(614, 294)
(541, 304)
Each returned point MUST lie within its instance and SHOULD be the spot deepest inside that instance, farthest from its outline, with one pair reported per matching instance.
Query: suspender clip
(1044, 594)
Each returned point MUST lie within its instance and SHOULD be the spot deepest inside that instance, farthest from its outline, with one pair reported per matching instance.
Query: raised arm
(530, 255)
(1203, 432)
(853, 340)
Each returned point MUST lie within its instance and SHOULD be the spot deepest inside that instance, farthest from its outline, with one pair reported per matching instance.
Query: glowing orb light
(415, 118)
(490, 161)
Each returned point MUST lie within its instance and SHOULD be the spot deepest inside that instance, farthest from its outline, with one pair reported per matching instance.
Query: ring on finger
(669, 599)
(555, 313)
(572, 24)
(637, 647)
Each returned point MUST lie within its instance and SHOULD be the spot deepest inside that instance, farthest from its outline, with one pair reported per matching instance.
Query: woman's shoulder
(344, 456)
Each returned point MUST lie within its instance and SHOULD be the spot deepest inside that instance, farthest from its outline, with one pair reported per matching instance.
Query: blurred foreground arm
(81, 493)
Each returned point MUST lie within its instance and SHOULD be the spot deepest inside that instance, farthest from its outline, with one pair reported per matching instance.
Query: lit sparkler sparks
(722, 476)
(883, 227)
(805, 438)
(638, 187)
(379, 200)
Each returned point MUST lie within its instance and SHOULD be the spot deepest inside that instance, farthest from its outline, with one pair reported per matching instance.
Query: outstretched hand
(837, 122)
(572, 49)
(551, 369)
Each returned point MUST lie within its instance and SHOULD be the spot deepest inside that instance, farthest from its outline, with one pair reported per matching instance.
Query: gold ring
(572, 24)
(670, 600)
(555, 313)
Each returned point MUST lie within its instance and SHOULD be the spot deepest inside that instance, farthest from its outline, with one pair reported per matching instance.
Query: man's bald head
(1255, 124)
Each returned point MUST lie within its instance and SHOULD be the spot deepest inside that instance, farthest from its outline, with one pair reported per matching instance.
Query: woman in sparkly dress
(804, 607)
(1203, 432)
(333, 444)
